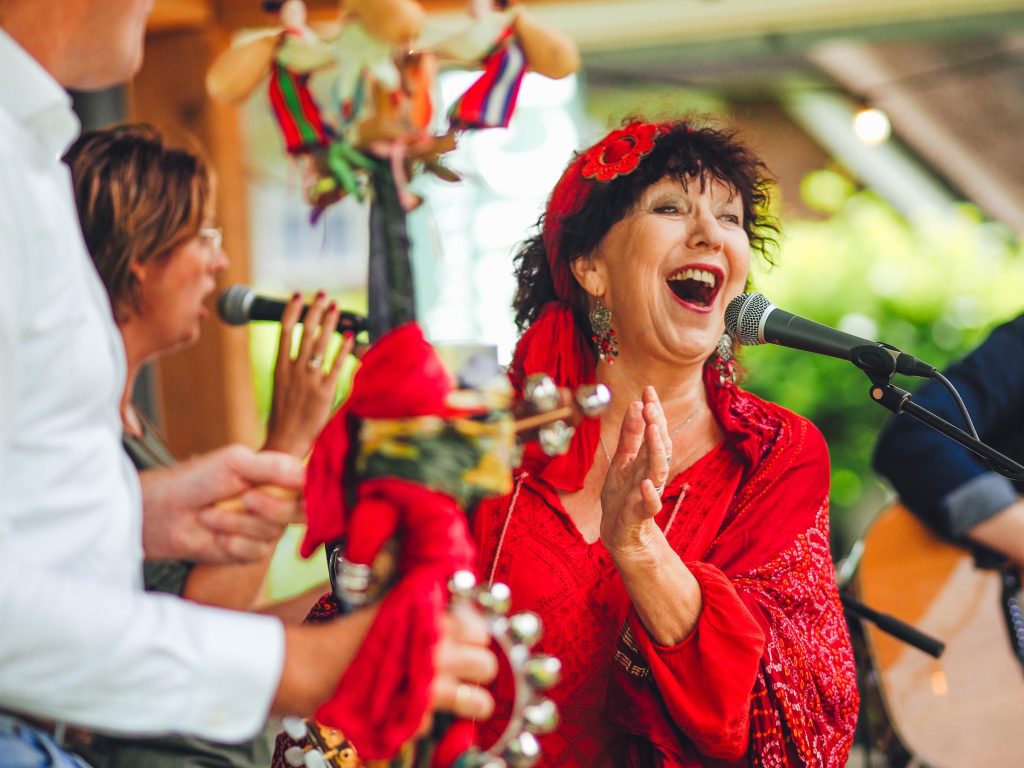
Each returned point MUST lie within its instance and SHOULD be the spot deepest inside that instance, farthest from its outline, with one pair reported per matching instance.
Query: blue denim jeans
(25, 746)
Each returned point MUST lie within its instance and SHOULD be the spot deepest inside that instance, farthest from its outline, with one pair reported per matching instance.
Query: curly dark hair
(691, 149)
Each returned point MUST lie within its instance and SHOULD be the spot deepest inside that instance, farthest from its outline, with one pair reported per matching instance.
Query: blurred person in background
(147, 214)
(947, 486)
(678, 554)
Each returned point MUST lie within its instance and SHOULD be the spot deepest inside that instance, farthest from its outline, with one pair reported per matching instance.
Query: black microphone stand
(880, 365)
(893, 626)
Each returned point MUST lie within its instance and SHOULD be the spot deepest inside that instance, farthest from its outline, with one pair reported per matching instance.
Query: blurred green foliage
(932, 285)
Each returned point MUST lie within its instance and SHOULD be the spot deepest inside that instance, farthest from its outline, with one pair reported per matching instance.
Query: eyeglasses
(212, 237)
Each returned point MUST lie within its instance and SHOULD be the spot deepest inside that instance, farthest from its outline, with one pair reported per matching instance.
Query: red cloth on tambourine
(401, 376)
(458, 737)
(381, 700)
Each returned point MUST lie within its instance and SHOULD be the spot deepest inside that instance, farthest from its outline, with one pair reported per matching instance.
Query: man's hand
(226, 506)
(462, 663)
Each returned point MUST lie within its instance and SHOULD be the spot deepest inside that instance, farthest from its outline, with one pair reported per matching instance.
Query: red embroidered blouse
(766, 678)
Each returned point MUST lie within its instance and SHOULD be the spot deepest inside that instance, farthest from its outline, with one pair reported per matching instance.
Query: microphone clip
(878, 361)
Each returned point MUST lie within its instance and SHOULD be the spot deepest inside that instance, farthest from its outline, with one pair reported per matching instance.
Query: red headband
(617, 154)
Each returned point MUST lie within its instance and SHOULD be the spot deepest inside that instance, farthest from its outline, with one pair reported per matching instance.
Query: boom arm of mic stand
(898, 401)
(893, 626)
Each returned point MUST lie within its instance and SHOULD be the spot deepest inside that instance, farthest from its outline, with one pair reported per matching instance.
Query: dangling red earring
(724, 362)
(604, 334)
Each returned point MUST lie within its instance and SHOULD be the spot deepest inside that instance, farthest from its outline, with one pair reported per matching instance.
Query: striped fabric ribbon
(489, 102)
(296, 111)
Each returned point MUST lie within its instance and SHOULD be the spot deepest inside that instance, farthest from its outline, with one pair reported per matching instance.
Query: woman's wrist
(285, 441)
(636, 549)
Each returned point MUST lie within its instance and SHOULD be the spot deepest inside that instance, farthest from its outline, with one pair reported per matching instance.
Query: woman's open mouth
(697, 286)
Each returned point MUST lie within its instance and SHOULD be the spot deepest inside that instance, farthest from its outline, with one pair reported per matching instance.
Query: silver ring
(315, 362)
(463, 695)
(659, 489)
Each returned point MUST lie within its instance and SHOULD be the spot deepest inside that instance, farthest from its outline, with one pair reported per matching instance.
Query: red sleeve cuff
(706, 679)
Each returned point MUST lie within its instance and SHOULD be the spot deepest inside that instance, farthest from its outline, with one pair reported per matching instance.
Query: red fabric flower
(620, 151)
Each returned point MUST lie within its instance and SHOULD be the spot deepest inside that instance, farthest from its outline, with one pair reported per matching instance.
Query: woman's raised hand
(637, 474)
(303, 387)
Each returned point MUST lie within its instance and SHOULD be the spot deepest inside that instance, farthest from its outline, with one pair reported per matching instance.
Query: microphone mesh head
(743, 317)
(233, 304)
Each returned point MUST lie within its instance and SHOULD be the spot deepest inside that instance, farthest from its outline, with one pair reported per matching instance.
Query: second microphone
(240, 304)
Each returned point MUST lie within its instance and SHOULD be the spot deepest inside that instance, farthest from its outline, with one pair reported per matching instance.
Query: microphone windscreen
(743, 317)
(234, 304)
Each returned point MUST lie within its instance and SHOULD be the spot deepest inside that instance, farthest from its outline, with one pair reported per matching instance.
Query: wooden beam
(974, 146)
(613, 24)
(170, 15)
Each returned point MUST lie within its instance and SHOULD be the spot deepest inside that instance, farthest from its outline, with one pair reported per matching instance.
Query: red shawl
(767, 677)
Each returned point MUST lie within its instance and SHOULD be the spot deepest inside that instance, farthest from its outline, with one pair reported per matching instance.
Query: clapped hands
(637, 473)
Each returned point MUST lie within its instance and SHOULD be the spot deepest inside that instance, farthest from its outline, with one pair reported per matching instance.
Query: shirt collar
(34, 99)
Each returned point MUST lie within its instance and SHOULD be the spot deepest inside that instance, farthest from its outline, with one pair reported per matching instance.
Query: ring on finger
(315, 362)
(463, 696)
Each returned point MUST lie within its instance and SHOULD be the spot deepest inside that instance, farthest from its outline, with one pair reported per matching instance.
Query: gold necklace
(671, 436)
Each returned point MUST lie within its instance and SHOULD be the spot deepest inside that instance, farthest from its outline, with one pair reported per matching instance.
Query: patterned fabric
(490, 101)
(295, 109)
(767, 676)
(467, 459)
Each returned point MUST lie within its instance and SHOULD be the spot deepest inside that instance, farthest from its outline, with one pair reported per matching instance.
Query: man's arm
(134, 662)
(1003, 532)
(107, 657)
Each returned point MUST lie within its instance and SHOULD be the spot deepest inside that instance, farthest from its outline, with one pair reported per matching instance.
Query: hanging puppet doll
(506, 41)
(287, 57)
(384, 92)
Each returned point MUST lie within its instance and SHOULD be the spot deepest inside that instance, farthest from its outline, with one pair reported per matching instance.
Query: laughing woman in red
(678, 554)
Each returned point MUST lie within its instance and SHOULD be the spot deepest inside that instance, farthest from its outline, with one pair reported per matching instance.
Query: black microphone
(750, 318)
(240, 304)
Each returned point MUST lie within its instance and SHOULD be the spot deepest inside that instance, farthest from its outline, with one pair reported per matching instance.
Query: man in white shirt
(81, 642)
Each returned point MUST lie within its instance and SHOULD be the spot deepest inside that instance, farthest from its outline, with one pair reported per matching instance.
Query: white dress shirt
(79, 640)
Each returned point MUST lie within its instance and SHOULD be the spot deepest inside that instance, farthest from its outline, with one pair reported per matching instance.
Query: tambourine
(532, 713)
